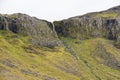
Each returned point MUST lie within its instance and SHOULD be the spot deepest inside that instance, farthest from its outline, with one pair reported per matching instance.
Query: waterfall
(6, 24)
(53, 29)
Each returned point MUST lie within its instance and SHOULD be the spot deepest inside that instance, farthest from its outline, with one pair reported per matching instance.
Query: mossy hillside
(90, 61)
(85, 57)
(25, 61)
(20, 59)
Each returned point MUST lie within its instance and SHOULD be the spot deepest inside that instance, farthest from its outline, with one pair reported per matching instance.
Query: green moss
(107, 15)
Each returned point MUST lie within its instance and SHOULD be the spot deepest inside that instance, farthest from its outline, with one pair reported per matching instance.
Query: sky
(55, 9)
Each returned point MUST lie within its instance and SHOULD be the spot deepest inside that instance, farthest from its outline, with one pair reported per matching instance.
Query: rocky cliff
(98, 24)
(40, 31)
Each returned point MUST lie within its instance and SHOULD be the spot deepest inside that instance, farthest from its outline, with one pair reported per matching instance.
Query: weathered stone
(104, 24)
(39, 30)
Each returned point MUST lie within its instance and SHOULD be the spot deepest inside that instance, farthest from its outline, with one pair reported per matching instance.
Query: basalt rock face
(39, 31)
(99, 24)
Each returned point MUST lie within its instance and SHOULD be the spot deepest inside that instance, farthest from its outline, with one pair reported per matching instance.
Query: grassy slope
(92, 69)
(19, 61)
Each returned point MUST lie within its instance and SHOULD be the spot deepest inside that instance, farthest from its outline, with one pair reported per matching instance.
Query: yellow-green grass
(90, 68)
(23, 61)
(107, 15)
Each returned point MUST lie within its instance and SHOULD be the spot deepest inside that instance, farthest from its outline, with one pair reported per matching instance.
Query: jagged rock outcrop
(39, 31)
(99, 24)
